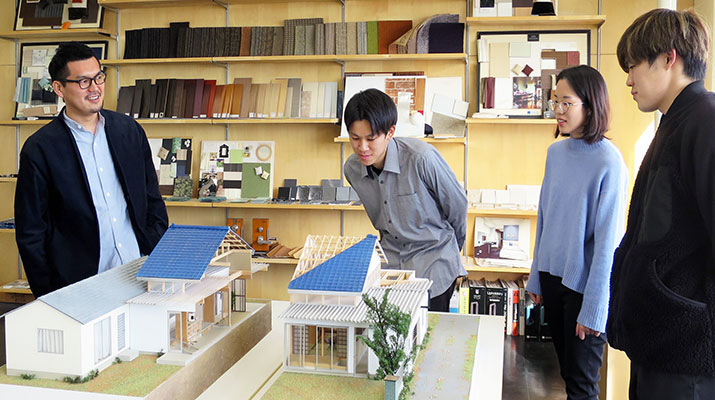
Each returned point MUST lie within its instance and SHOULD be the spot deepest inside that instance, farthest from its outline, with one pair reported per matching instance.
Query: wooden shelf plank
(278, 206)
(409, 57)
(460, 140)
(199, 121)
(12, 231)
(52, 34)
(531, 22)
(512, 121)
(14, 122)
(185, 3)
(291, 206)
(502, 212)
(144, 61)
(189, 203)
(8, 179)
(511, 270)
(276, 121)
(291, 59)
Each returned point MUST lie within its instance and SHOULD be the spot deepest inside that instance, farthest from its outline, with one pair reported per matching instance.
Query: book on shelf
(218, 101)
(189, 93)
(136, 102)
(207, 98)
(351, 38)
(124, 100)
(152, 100)
(512, 312)
(237, 99)
(246, 40)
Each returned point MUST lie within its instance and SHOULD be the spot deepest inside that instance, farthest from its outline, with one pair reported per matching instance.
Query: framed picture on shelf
(48, 14)
(517, 70)
(34, 96)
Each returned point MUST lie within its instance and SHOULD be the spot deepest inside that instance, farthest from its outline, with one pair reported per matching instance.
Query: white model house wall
(21, 339)
(98, 356)
(154, 336)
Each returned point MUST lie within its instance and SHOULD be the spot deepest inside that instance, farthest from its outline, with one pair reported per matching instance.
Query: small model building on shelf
(327, 314)
(164, 303)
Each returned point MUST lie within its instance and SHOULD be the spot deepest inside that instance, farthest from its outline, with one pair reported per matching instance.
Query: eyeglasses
(85, 83)
(563, 106)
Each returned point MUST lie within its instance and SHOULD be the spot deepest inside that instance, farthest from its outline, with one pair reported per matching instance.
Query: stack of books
(203, 98)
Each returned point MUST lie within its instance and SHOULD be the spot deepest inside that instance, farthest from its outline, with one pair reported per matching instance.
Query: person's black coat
(57, 230)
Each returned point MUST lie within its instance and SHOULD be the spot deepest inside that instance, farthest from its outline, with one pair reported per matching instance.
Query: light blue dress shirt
(117, 241)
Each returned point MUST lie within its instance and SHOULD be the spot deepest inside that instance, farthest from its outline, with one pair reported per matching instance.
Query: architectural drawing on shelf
(238, 169)
(502, 241)
(179, 301)
(327, 314)
(172, 159)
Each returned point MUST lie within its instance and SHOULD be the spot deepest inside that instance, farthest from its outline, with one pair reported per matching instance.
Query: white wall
(21, 327)
(150, 328)
(87, 332)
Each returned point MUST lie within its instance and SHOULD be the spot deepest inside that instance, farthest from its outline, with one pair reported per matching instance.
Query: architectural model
(327, 314)
(163, 303)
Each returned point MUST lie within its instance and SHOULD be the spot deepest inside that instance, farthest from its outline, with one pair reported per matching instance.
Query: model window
(121, 332)
(102, 340)
(50, 341)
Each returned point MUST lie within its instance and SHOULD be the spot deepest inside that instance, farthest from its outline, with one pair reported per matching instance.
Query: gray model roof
(97, 295)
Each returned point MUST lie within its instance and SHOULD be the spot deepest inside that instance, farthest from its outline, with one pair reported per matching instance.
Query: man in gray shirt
(410, 194)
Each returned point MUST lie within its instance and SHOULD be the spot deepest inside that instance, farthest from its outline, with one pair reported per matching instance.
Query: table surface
(253, 374)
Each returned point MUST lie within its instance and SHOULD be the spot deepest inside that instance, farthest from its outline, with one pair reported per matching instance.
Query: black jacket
(662, 309)
(57, 230)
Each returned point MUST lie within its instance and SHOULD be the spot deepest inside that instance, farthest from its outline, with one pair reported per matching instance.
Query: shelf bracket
(220, 4)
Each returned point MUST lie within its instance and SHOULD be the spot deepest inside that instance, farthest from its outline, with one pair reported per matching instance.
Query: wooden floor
(531, 371)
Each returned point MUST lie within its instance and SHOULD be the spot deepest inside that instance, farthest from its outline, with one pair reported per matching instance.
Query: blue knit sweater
(580, 222)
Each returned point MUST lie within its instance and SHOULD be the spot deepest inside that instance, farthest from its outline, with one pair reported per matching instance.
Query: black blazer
(57, 231)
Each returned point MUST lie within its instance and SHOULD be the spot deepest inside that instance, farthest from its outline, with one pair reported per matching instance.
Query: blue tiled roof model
(184, 252)
(346, 272)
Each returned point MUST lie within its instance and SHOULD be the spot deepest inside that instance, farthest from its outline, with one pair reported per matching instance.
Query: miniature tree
(390, 328)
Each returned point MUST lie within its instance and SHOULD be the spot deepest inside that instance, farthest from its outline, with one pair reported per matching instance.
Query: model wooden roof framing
(390, 277)
(319, 248)
(231, 243)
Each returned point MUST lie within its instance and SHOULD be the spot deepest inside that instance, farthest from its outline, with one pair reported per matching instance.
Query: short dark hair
(660, 30)
(68, 52)
(374, 106)
(590, 87)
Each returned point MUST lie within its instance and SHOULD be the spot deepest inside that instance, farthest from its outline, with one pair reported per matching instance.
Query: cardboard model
(161, 303)
(327, 314)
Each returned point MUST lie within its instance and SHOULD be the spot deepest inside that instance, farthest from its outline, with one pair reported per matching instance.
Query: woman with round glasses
(580, 221)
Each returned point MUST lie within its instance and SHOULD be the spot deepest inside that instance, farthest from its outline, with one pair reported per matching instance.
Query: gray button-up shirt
(419, 209)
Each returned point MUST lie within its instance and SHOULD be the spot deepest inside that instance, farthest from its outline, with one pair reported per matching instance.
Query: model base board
(177, 383)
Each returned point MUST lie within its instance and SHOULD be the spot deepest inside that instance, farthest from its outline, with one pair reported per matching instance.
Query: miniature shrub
(390, 329)
(27, 376)
(117, 360)
(76, 380)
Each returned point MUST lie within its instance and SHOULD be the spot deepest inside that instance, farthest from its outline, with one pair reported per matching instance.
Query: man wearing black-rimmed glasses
(87, 197)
